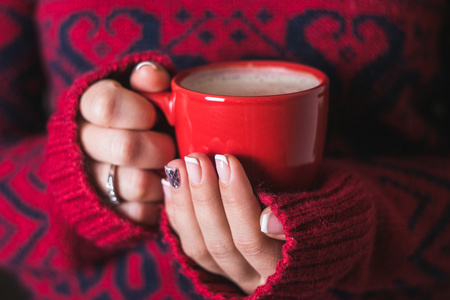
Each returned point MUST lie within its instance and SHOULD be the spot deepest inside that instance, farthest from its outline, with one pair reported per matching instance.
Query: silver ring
(112, 195)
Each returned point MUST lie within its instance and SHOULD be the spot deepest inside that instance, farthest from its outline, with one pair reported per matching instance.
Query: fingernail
(174, 176)
(146, 63)
(193, 168)
(222, 167)
(270, 224)
(166, 189)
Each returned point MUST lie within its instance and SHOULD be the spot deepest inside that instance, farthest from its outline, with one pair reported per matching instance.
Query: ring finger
(131, 184)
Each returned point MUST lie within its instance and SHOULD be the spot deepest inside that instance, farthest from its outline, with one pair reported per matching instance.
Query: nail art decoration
(173, 175)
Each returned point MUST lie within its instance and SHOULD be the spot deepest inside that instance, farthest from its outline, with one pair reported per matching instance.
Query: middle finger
(140, 149)
(243, 213)
(212, 219)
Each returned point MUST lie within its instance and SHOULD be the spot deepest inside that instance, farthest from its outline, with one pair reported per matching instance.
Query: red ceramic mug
(271, 115)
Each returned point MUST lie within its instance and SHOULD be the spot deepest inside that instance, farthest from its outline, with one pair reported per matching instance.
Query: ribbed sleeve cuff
(74, 203)
(329, 229)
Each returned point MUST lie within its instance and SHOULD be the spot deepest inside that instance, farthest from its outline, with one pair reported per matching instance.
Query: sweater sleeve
(87, 228)
(376, 225)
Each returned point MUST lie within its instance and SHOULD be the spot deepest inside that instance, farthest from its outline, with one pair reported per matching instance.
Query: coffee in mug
(249, 82)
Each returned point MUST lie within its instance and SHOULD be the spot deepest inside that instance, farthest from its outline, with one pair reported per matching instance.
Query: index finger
(106, 103)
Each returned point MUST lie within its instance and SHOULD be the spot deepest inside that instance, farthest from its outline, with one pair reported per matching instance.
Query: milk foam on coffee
(249, 82)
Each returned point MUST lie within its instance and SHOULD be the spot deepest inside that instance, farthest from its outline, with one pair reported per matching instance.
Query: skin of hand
(115, 128)
(217, 218)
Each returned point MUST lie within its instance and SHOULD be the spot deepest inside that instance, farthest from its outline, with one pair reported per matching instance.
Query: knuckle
(163, 148)
(220, 250)
(104, 103)
(197, 253)
(139, 183)
(180, 204)
(233, 202)
(249, 247)
(140, 213)
(136, 212)
(204, 200)
(126, 146)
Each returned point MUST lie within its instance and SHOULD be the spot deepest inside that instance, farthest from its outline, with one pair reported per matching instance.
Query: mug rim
(293, 66)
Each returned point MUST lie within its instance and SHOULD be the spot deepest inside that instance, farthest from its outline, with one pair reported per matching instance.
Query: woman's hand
(115, 129)
(218, 219)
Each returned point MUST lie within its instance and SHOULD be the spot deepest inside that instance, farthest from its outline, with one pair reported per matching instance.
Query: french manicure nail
(166, 189)
(223, 169)
(146, 63)
(173, 175)
(270, 224)
(193, 168)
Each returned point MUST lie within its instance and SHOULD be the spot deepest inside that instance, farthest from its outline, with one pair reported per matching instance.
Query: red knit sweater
(376, 223)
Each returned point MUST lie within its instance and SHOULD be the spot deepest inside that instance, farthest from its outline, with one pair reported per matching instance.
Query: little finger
(141, 212)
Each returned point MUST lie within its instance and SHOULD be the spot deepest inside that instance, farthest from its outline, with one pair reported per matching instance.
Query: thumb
(271, 226)
(149, 77)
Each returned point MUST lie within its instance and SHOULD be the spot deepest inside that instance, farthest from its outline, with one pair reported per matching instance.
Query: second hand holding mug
(271, 115)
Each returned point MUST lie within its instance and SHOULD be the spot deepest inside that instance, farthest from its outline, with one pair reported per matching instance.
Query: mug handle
(166, 102)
